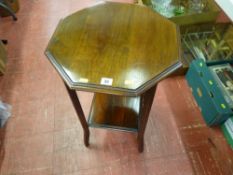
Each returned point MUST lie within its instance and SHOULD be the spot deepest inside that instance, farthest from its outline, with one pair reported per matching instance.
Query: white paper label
(106, 81)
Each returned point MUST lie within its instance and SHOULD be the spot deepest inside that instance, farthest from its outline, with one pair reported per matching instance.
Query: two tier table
(119, 52)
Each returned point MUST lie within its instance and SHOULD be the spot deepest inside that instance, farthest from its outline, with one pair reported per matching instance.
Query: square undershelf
(114, 112)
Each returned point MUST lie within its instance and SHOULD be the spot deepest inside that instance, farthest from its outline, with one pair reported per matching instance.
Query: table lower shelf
(114, 112)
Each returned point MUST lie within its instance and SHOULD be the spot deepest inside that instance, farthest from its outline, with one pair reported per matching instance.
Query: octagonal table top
(114, 48)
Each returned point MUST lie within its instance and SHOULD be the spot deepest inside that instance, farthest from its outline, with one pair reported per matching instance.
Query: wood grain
(115, 112)
(3, 58)
(128, 43)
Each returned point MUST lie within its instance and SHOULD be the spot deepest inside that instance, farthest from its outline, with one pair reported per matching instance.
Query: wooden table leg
(80, 114)
(145, 106)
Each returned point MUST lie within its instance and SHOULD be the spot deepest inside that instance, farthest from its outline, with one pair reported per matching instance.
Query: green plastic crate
(207, 93)
(227, 129)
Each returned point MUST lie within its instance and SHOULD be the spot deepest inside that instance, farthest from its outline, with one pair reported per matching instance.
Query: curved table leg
(145, 106)
(80, 114)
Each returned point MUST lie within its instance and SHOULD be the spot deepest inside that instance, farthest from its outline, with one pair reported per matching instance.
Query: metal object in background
(209, 45)
(9, 7)
(179, 11)
(197, 6)
(163, 7)
(223, 75)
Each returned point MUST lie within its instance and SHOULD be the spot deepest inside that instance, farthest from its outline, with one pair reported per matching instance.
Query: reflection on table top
(114, 48)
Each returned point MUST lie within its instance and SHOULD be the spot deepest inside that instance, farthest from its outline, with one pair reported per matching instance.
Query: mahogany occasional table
(119, 52)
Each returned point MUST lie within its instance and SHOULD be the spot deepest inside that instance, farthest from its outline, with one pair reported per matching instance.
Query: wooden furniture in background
(119, 52)
(209, 13)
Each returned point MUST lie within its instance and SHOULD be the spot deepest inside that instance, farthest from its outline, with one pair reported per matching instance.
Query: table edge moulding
(118, 108)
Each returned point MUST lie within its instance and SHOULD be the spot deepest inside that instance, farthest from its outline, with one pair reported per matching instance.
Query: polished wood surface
(78, 109)
(3, 58)
(127, 43)
(146, 100)
(115, 112)
(120, 52)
